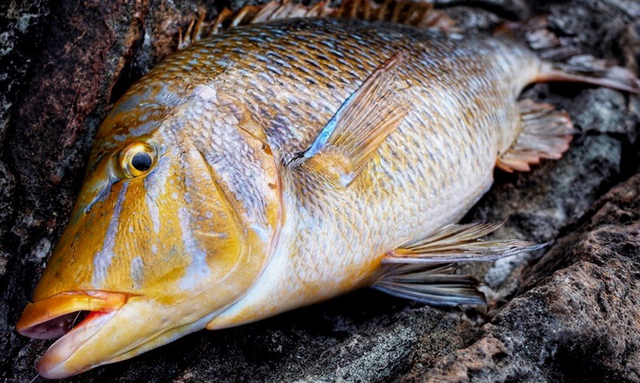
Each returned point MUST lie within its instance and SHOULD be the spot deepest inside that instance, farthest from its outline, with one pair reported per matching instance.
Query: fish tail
(564, 63)
(589, 70)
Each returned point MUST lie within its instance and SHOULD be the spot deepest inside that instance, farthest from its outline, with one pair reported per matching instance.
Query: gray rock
(607, 110)
(21, 26)
(579, 317)
(7, 191)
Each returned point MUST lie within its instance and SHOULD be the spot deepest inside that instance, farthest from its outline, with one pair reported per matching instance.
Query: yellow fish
(303, 154)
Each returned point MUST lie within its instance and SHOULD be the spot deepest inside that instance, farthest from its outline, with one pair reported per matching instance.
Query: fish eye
(141, 161)
(136, 159)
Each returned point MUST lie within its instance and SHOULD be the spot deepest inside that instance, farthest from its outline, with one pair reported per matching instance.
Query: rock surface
(572, 315)
(577, 317)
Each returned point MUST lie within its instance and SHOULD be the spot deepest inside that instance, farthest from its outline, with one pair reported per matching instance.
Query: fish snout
(111, 326)
(75, 316)
(55, 316)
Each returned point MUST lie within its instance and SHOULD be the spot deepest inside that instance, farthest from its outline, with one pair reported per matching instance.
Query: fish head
(174, 222)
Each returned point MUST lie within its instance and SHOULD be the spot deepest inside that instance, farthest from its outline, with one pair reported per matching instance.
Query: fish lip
(38, 318)
(49, 318)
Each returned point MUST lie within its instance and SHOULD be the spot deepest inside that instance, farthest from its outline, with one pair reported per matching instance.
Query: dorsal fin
(418, 13)
(410, 12)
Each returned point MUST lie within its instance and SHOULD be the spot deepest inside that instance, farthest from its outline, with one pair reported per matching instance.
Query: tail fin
(563, 63)
(589, 70)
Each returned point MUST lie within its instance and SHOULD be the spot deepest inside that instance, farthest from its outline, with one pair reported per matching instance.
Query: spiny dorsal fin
(459, 243)
(418, 13)
(545, 134)
(354, 133)
(410, 12)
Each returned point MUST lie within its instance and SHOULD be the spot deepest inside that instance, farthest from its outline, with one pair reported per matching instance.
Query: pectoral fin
(425, 270)
(354, 133)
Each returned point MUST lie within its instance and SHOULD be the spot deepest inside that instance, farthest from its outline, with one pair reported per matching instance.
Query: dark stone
(578, 314)
(572, 315)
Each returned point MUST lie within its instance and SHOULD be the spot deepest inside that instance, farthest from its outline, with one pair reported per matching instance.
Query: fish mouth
(72, 316)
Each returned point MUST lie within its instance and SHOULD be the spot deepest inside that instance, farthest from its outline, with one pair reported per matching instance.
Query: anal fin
(545, 134)
(424, 270)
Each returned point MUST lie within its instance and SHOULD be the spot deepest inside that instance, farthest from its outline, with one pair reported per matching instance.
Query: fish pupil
(141, 161)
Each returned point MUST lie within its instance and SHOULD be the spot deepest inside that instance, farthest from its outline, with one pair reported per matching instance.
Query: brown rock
(581, 320)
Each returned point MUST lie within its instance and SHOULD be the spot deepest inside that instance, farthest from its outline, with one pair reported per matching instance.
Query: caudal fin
(590, 70)
(565, 63)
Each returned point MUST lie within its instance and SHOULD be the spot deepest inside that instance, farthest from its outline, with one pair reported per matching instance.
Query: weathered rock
(582, 322)
(64, 63)
(21, 24)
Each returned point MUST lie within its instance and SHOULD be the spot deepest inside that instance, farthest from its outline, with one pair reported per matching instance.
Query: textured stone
(580, 319)
(21, 26)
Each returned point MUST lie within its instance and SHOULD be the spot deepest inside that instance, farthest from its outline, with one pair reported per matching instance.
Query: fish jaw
(58, 362)
(50, 318)
(118, 327)
(53, 318)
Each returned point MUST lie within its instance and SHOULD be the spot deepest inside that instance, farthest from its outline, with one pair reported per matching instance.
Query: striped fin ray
(432, 284)
(545, 134)
(424, 270)
(411, 12)
(352, 136)
(460, 243)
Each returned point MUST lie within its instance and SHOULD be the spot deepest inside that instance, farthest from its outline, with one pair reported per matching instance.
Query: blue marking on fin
(321, 141)
(363, 121)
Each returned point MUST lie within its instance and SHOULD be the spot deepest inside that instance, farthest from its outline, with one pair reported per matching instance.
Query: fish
(286, 155)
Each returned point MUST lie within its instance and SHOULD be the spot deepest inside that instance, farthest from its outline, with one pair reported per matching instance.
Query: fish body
(215, 193)
(429, 172)
(287, 79)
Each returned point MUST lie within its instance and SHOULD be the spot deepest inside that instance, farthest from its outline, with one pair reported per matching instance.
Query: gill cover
(175, 221)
